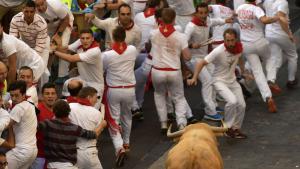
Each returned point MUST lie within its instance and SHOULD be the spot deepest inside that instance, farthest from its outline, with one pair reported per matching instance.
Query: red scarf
(236, 50)
(166, 29)
(128, 28)
(198, 22)
(93, 45)
(119, 47)
(149, 12)
(159, 21)
(71, 99)
(85, 102)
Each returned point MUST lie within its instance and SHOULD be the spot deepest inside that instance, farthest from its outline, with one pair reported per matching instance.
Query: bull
(197, 148)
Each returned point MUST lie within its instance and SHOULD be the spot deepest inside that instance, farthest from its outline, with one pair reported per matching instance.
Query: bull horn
(174, 134)
(218, 129)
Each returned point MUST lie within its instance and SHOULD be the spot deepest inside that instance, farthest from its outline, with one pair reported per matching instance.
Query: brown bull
(197, 148)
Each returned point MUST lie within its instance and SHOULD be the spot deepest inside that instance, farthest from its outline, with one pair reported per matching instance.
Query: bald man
(74, 86)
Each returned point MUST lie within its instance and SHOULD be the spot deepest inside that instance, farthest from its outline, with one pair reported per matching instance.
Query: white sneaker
(181, 126)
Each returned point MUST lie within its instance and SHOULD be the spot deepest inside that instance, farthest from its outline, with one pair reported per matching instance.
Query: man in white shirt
(197, 32)
(32, 29)
(124, 19)
(26, 74)
(282, 42)
(88, 59)
(184, 11)
(19, 54)
(24, 122)
(119, 66)
(60, 23)
(147, 22)
(167, 47)
(256, 47)
(225, 58)
(86, 116)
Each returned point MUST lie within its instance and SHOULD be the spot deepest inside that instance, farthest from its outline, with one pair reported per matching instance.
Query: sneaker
(235, 133)
(171, 116)
(126, 147)
(271, 105)
(120, 157)
(292, 84)
(216, 117)
(164, 127)
(137, 114)
(274, 87)
(219, 110)
(192, 120)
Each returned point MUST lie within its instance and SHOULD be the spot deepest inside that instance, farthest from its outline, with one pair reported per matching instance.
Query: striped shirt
(60, 140)
(34, 34)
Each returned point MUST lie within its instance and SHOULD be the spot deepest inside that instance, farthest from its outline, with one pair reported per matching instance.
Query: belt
(164, 69)
(121, 87)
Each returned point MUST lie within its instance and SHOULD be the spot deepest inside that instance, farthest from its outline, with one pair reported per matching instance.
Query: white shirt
(133, 36)
(86, 117)
(26, 124)
(34, 35)
(90, 67)
(251, 27)
(198, 34)
(56, 11)
(4, 121)
(120, 68)
(25, 55)
(272, 7)
(166, 52)
(146, 25)
(220, 11)
(182, 7)
(237, 3)
(11, 3)
(225, 64)
(32, 92)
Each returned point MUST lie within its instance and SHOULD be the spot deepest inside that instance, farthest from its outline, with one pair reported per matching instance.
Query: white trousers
(254, 51)
(120, 101)
(88, 158)
(61, 165)
(282, 46)
(63, 66)
(235, 104)
(208, 91)
(141, 75)
(171, 82)
(21, 158)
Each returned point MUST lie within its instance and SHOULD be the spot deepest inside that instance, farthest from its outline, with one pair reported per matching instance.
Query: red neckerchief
(166, 29)
(93, 45)
(128, 28)
(2, 85)
(198, 22)
(71, 99)
(119, 47)
(85, 102)
(236, 50)
(149, 12)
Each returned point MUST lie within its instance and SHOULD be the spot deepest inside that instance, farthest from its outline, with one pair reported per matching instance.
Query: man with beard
(225, 58)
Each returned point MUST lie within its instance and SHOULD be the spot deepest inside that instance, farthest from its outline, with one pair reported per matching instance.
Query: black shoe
(171, 116)
(192, 120)
(120, 158)
(292, 84)
(137, 114)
